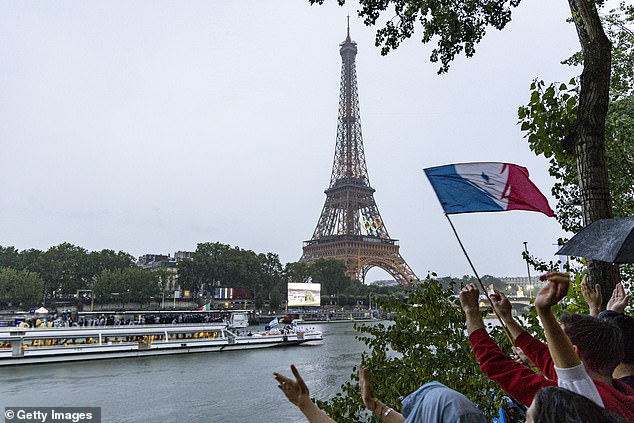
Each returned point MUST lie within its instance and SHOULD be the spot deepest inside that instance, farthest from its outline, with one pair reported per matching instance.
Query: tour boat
(48, 345)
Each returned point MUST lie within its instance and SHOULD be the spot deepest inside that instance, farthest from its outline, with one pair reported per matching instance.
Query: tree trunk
(590, 130)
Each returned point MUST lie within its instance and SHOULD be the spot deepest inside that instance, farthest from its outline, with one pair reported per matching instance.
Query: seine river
(235, 386)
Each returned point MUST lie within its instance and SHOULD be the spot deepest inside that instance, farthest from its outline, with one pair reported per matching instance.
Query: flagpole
(506, 330)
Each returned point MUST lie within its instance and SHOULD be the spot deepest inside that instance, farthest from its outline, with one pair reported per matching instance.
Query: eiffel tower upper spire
(349, 156)
(350, 208)
(350, 227)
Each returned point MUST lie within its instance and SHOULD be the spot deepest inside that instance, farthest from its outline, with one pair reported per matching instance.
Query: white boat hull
(225, 341)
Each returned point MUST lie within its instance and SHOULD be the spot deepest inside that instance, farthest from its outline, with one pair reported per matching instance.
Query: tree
(126, 285)
(9, 257)
(550, 122)
(459, 25)
(276, 298)
(20, 287)
(297, 272)
(108, 259)
(66, 269)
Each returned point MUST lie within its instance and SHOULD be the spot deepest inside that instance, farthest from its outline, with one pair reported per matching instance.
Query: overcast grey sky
(150, 126)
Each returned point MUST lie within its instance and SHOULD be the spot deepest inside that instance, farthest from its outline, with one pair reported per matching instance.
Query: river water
(233, 386)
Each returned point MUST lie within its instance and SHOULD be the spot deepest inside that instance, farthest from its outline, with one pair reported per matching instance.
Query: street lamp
(81, 292)
(528, 269)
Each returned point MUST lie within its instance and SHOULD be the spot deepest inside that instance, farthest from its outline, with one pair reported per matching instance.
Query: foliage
(549, 121)
(618, 24)
(64, 268)
(331, 274)
(132, 284)
(427, 341)
(620, 153)
(20, 287)
(220, 265)
(457, 25)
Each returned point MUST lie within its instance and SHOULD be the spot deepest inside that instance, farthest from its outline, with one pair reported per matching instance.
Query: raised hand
(470, 298)
(554, 291)
(367, 393)
(619, 300)
(295, 390)
(502, 305)
(593, 297)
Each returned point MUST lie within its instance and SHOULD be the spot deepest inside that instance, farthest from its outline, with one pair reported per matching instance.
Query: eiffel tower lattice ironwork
(350, 227)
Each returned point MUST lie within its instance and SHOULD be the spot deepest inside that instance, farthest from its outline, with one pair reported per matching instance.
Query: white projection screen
(304, 294)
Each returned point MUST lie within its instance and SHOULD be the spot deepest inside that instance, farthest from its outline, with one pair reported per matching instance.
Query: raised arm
(385, 413)
(619, 300)
(593, 297)
(505, 311)
(515, 379)
(297, 392)
(469, 301)
(570, 371)
(560, 347)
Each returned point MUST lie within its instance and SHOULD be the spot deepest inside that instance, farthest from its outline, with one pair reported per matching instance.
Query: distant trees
(220, 265)
(62, 270)
(127, 285)
(65, 268)
(20, 287)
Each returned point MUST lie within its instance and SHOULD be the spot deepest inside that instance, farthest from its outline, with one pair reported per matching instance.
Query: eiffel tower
(350, 228)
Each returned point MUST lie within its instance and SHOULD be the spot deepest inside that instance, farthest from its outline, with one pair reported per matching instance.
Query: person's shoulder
(619, 389)
(625, 385)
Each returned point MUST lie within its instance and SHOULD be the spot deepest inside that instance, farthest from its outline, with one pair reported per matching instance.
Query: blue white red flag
(486, 187)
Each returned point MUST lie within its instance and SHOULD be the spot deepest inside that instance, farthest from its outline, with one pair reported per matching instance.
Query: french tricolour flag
(486, 187)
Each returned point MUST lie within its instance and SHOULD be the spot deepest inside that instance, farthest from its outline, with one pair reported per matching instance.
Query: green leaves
(427, 341)
(549, 124)
(132, 284)
(20, 287)
(456, 25)
(549, 118)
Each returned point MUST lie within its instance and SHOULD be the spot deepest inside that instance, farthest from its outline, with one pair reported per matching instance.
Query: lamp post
(528, 270)
(80, 294)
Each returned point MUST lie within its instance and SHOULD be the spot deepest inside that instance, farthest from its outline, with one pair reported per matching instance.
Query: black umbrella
(610, 240)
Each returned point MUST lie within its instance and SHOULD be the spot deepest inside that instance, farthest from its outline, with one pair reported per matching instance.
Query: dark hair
(599, 341)
(557, 405)
(626, 324)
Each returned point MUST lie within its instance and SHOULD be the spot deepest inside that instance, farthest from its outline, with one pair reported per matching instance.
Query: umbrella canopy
(609, 240)
(41, 310)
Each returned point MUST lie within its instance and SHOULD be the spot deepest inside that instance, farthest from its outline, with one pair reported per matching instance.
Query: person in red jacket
(598, 343)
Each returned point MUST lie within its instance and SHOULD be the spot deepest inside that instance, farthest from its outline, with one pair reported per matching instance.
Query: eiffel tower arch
(350, 227)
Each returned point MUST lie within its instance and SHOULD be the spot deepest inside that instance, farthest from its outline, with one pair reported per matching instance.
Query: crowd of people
(67, 319)
(584, 372)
